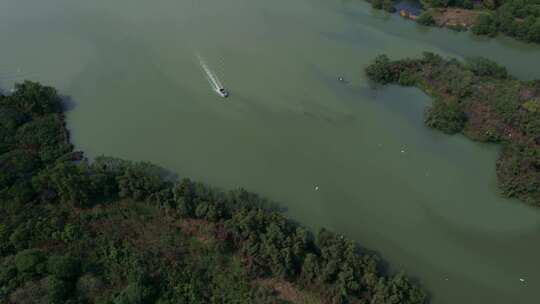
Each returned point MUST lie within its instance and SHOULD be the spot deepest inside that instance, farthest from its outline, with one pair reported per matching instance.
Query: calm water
(433, 210)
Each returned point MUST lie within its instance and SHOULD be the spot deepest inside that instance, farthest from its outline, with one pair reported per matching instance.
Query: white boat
(223, 93)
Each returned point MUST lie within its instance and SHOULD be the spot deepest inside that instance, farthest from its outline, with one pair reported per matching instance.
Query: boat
(223, 92)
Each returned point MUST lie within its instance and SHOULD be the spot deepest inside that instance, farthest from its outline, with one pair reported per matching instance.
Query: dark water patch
(68, 103)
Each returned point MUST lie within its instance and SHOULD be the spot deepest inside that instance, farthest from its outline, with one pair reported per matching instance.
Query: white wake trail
(213, 80)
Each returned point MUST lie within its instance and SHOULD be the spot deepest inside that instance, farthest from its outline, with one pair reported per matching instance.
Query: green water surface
(426, 201)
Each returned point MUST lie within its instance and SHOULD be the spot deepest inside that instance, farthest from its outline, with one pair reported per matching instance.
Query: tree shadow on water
(68, 103)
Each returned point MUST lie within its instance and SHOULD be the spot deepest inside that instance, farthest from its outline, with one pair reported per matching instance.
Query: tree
(35, 99)
(481, 66)
(381, 70)
(58, 289)
(68, 182)
(534, 31)
(388, 5)
(30, 261)
(63, 267)
(485, 25)
(426, 18)
(446, 117)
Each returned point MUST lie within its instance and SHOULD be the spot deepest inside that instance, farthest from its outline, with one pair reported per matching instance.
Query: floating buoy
(316, 188)
(522, 280)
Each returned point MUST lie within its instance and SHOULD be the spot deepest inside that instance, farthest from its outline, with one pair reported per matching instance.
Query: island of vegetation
(516, 18)
(112, 231)
(481, 100)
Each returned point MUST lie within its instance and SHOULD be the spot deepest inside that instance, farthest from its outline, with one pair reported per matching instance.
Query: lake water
(426, 201)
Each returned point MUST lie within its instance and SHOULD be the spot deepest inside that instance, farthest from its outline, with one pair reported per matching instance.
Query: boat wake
(212, 78)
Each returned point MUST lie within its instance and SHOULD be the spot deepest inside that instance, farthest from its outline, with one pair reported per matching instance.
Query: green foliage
(485, 25)
(63, 267)
(58, 289)
(30, 261)
(516, 18)
(138, 291)
(139, 181)
(70, 233)
(517, 169)
(484, 67)
(532, 105)
(8, 272)
(35, 99)
(381, 71)
(426, 18)
(468, 4)
(387, 5)
(534, 31)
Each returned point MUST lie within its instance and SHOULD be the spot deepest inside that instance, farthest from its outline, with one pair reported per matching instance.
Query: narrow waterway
(426, 201)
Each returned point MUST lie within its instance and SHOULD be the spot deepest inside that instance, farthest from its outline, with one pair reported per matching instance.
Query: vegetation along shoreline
(111, 231)
(479, 99)
(519, 19)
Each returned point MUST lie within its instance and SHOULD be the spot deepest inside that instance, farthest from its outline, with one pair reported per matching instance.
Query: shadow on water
(68, 103)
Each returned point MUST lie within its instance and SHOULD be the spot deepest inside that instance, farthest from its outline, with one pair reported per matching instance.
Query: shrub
(376, 4)
(426, 18)
(58, 289)
(485, 25)
(63, 267)
(30, 261)
(446, 117)
(34, 98)
(138, 291)
(381, 70)
(534, 31)
(484, 67)
(388, 5)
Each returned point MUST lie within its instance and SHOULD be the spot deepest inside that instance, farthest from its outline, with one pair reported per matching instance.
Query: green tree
(31, 261)
(35, 99)
(381, 71)
(426, 18)
(534, 31)
(63, 267)
(58, 289)
(446, 117)
(481, 66)
(485, 25)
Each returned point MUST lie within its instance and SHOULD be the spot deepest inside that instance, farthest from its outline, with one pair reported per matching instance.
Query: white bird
(316, 188)
(522, 280)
